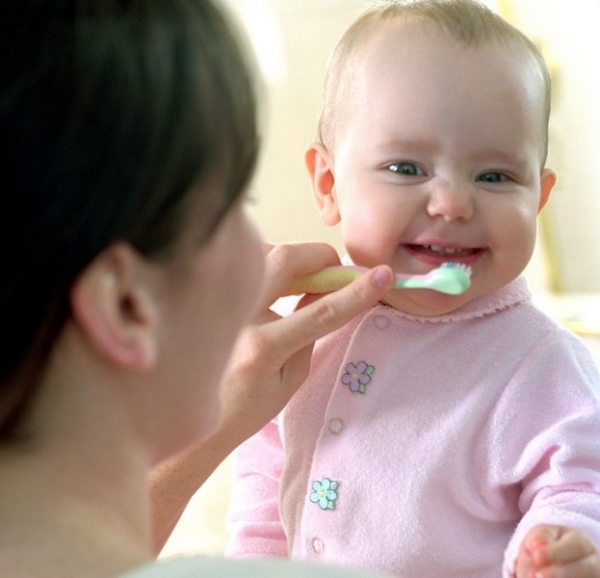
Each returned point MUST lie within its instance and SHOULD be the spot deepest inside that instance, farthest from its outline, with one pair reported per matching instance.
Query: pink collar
(508, 296)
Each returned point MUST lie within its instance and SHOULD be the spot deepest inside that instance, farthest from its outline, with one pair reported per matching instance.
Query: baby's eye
(493, 177)
(407, 169)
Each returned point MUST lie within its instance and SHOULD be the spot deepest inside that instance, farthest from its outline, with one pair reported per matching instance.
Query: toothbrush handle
(324, 281)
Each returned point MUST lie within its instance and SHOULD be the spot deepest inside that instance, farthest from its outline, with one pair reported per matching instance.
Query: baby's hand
(557, 552)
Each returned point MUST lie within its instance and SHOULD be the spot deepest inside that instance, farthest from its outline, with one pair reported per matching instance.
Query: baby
(436, 435)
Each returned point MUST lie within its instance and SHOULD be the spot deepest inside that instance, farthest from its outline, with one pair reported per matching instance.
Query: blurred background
(292, 40)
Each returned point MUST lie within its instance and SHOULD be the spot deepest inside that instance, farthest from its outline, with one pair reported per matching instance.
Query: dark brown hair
(110, 110)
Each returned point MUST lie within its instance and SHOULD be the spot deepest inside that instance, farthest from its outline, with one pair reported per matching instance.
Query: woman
(129, 135)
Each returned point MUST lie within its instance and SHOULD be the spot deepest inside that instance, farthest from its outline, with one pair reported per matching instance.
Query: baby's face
(438, 159)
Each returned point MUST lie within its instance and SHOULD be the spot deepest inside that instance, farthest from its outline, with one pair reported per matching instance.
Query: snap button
(316, 545)
(381, 321)
(335, 425)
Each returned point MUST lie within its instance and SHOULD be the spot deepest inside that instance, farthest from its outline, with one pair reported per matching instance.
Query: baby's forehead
(404, 65)
(414, 44)
(409, 30)
(380, 42)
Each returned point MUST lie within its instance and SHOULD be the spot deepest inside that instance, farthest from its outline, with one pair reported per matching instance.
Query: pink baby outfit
(427, 447)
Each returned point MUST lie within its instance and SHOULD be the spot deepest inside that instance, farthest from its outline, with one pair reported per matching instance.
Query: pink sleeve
(558, 466)
(254, 521)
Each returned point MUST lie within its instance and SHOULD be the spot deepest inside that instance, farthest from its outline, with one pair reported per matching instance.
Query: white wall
(568, 31)
(284, 205)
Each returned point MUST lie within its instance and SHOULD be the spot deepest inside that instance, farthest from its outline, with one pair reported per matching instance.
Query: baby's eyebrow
(405, 146)
(492, 157)
(513, 159)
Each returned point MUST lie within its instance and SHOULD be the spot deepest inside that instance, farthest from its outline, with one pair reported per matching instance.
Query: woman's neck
(72, 492)
(56, 522)
(58, 516)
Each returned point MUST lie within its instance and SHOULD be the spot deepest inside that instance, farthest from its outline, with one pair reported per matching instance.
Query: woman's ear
(548, 180)
(319, 165)
(114, 306)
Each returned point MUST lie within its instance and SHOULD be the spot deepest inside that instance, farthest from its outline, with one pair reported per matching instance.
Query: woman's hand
(272, 356)
(269, 362)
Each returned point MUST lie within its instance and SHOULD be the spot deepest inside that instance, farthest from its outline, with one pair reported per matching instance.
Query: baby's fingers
(562, 546)
(571, 545)
(558, 552)
(588, 567)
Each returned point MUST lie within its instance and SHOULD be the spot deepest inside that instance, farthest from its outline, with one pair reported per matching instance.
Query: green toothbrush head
(451, 278)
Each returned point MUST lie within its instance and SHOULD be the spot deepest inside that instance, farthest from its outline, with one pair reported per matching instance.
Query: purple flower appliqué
(358, 376)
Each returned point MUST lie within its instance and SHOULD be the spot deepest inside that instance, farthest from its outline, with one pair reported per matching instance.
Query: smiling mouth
(439, 251)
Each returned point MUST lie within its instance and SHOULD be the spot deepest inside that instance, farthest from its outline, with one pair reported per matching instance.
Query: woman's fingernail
(382, 277)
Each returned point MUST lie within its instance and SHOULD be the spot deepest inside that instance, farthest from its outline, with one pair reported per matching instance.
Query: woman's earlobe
(114, 308)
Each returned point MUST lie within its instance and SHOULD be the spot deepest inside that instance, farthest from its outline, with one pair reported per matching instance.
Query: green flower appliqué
(325, 493)
(358, 376)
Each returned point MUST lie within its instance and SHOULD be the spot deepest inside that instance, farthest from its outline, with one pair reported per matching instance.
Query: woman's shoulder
(212, 567)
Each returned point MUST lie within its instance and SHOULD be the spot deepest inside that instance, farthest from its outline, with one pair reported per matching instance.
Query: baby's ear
(548, 180)
(114, 306)
(319, 165)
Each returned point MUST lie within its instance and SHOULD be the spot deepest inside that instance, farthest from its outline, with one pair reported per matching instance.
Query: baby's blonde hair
(468, 21)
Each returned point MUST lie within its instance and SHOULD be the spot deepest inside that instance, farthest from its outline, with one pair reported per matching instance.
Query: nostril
(450, 205)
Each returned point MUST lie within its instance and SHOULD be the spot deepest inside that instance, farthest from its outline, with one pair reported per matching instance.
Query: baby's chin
(425, 302)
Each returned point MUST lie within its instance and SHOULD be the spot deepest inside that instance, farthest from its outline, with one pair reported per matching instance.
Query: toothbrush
(449, 278)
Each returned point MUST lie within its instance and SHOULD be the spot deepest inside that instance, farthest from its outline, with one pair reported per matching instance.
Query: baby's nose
(450, 202)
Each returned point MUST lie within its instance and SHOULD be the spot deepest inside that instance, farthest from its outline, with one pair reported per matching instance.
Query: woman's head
(110, 110)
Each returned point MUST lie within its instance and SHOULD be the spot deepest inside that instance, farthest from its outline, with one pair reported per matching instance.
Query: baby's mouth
(448, 253)
(445, 251)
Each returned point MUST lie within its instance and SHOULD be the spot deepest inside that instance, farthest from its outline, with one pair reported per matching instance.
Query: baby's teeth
(438, 249)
